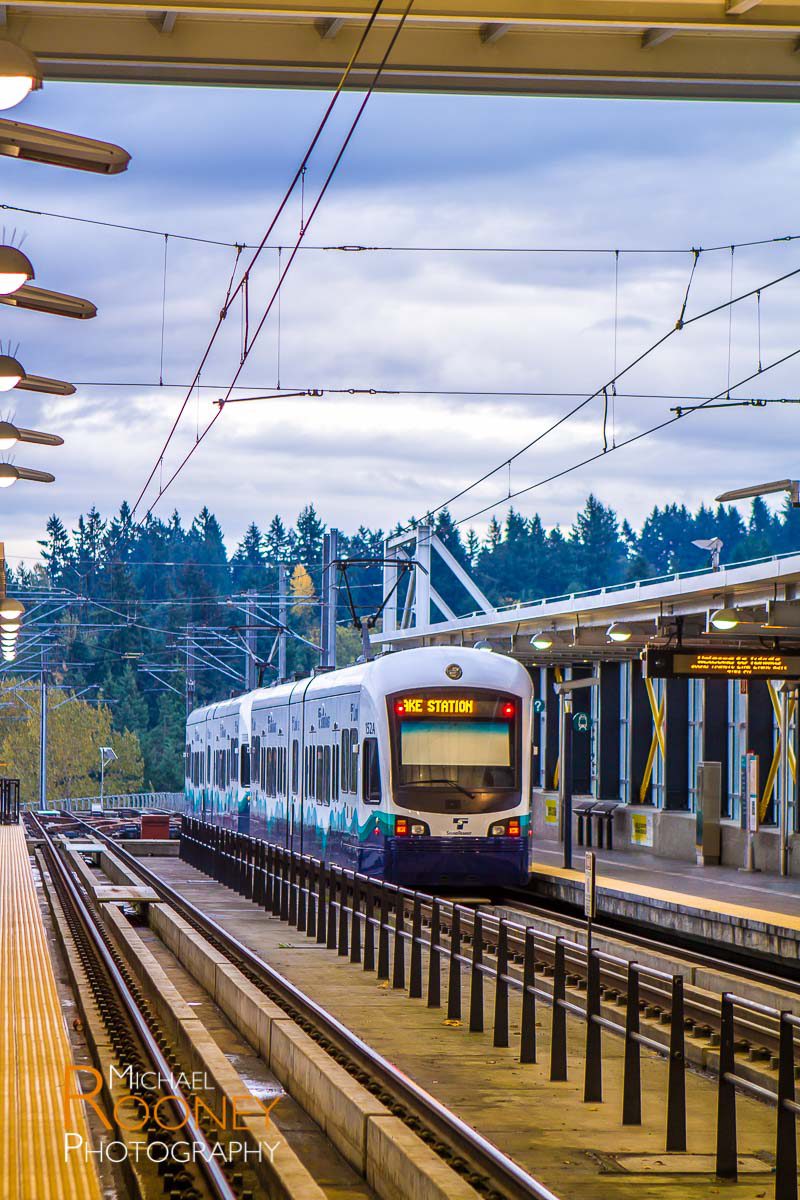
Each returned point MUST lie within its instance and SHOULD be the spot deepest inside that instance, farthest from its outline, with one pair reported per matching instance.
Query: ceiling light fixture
(9, 475)
(20, 74)
(11, 372)
(10, 435)
(15, 269)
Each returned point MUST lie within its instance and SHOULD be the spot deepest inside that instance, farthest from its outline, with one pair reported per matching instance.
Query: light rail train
(414, 767)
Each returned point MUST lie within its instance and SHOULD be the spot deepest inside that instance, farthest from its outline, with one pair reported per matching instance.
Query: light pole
(107, 755)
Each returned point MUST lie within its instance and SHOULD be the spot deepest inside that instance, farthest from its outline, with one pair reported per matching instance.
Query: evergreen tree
(57, 551)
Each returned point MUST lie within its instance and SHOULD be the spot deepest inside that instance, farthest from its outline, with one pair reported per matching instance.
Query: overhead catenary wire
(682, 323)
(163, 487)
(430, 248)
(637, 437)
(231, 295)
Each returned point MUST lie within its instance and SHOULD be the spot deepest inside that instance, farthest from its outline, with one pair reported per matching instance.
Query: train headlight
(417, 828)
(497, 830)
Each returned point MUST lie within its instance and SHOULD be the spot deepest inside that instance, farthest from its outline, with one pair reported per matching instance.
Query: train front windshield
(451, 748)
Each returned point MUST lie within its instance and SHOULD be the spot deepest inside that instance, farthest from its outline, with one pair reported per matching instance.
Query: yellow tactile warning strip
(34, 1049)
(763, 916)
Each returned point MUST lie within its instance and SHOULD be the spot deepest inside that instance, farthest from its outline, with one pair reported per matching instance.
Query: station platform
(758, 913)
(34, 1048)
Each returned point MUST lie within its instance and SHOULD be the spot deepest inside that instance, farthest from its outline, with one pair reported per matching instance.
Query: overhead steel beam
(566, 47)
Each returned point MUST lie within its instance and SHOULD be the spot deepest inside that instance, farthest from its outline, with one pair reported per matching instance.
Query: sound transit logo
(152, 1099)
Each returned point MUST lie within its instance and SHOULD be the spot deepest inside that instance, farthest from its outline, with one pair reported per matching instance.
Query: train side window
(353, 760)
(244, 766)
(327, 772)
(335, 771)
(371, 777)
(320, 788)
(295, 763)
(345, 756)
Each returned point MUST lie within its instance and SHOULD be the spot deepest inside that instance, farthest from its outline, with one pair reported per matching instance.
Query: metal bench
(603, 813)
(582, 810)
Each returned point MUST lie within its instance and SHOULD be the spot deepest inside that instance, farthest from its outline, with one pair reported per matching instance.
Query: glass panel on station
(737, 748)
(625, 733)
(696, 706)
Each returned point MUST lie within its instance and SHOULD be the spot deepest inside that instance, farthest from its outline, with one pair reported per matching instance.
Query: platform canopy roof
(578, 624)
(745, 49)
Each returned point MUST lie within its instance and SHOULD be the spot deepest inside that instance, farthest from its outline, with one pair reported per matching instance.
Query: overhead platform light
(40, 383)
(623, 631)
(20, 74)
(11, 609)
(16, 270)
(11, 372)
(726, 619)
(35, 144)
(59, 304)
(543, 639)
(792, 486)
(11, 435)
(9, 474)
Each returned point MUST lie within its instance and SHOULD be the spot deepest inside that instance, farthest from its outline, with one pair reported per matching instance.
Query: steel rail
(214, 1176)
(479, 1153)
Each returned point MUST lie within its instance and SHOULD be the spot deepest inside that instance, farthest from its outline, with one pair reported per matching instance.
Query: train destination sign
(723, 663)
(453, 706)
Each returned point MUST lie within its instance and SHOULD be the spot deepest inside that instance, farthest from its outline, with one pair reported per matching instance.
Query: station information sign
(719, 662)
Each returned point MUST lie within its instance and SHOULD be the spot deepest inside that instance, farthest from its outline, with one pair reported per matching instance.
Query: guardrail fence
(172, 801)
(381, 926)
(367, 920)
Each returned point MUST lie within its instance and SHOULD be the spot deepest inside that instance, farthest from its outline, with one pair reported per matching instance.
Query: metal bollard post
(292, 888)
(268, 881)
(558, 1038)
(727, 1165)
(435, 960)
(676, 1088)
(786, 1140)
(248, 858)
(593, 1070)
(632, 1073)
(342, 940)
(501, 987)
(355, 924)
(311, 922)
(383, 935)
(258, 873)
(277, 859)
(302, 882)
(527, 1041)
(399, 968)
(286, 888)
(454, 974)
(369, 928)
(322, 910)
(332, 908)
(476, 980)
(415, 986)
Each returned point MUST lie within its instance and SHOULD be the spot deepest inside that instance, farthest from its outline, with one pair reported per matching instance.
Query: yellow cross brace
(559, 679)
(772, 774)
(658, 742)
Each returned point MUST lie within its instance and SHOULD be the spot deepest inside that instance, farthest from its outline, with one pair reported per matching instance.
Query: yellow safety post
(658, 742)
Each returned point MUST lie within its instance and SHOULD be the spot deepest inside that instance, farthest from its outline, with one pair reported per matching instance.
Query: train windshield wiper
(443, 779)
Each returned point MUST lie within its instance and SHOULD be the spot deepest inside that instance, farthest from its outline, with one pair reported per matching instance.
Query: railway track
(491, 1173)
(137, 1039)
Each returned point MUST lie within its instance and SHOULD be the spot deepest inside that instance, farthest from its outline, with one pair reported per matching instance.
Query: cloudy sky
(430, 326)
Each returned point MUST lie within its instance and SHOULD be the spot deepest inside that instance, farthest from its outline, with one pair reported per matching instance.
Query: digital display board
(719, 663)
(452, 706)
